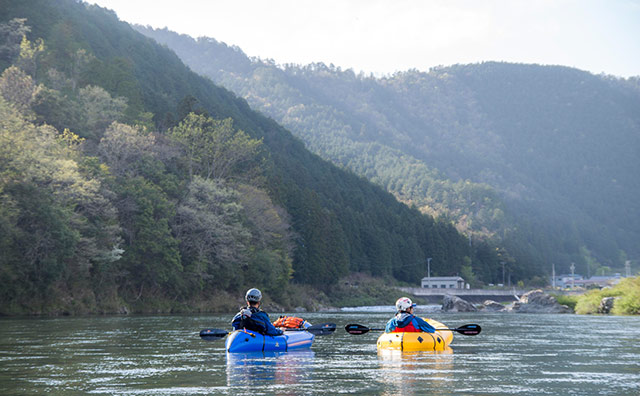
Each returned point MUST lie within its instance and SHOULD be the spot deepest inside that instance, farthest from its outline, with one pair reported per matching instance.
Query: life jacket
(249, 323)
(289, 322)
(408, 328)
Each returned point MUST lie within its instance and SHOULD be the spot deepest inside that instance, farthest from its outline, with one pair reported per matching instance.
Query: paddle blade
(470, 329)
(322, 329)
(212, 334)
(356, 329)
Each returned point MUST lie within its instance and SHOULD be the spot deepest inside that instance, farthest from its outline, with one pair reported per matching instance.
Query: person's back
(405, 320)
(252, 318)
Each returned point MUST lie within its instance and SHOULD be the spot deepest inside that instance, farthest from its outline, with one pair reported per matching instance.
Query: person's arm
(423, 325)
(270, 329)
(236, 322)
(391, 325)
(245, 319)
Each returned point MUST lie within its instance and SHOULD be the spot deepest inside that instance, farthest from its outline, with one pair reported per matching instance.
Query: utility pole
(502, 262)
(429, 271)
(573, 267)
(553, 275)
(627, 268)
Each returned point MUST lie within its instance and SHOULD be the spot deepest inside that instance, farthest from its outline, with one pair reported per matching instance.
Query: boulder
(452, 303)
(536, 301)
(491, 306)
(606, 304)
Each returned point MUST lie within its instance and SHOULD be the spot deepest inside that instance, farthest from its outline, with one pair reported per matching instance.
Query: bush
(627, 303)
(569, 301)
(589, 302)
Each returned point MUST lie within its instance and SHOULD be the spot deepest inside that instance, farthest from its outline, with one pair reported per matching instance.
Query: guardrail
(423, 291)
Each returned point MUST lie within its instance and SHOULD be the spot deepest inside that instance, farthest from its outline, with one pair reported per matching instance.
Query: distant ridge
(542, 158)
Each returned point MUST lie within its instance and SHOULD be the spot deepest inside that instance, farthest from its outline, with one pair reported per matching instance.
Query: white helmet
(403, 304)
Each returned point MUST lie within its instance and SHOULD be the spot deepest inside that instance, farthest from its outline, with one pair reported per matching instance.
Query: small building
(576, 280)
(443, 282)
(599, 281)
(564, 280)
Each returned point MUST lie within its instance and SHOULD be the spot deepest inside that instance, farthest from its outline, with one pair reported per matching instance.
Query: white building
(443, 282)
(567, 281)
(564, 280)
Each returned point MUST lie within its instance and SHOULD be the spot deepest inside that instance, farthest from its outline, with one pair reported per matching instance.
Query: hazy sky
(384, 36)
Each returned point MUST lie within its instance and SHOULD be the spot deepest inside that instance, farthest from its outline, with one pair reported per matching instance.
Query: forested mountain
(127, 180)
(542, 160)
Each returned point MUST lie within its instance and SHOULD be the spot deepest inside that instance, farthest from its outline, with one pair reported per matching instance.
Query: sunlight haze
(387, 36)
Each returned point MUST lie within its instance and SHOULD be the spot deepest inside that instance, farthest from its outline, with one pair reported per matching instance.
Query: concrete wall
(471, 295)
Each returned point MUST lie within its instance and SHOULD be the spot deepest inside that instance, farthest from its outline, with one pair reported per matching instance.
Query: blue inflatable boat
(250, 341)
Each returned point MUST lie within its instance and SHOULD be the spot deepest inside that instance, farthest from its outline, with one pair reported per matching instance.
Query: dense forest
(129, 183)
(542, 161)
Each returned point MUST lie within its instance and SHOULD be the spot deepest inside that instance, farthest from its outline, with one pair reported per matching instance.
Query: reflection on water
(258, 369)
(517, 354)
(401, 371)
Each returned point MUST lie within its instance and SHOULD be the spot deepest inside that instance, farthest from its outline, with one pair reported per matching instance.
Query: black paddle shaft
(213, 333)
(319, 329)
(469, 329)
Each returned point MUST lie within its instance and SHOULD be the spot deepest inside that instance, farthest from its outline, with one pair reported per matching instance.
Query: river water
(516, 354)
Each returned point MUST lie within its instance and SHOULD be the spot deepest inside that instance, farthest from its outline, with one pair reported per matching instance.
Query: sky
(385, 36)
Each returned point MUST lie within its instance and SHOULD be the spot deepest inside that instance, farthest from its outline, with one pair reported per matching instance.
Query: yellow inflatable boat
(438, 341)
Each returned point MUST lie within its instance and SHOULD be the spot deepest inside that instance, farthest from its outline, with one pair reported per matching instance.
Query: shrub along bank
(626, 294)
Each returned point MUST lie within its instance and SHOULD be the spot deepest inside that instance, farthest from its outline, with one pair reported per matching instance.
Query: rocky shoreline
(535, 301)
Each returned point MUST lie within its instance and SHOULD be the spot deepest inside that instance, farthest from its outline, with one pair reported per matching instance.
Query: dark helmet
(253, 295)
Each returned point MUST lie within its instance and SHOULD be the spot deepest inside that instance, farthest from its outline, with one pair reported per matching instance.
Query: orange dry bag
(289, 322)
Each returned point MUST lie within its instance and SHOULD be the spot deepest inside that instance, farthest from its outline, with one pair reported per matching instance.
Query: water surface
(163, 355)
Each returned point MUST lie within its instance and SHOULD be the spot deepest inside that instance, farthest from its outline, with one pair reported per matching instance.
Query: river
(516, 354)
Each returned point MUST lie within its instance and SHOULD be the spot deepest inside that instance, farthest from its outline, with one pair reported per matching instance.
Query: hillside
(114, 197)
(540, 159)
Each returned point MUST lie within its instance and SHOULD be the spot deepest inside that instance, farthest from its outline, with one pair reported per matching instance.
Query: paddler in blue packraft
(405, 320)
(252, 317)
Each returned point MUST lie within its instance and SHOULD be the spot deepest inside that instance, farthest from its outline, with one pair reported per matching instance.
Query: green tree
(98, 110)
(11, 35)
(29, 54)
(213, 148)
(151, 257)
(59, 222)
(123, 147)
(271, 253)
(214, 241)
(18, 88)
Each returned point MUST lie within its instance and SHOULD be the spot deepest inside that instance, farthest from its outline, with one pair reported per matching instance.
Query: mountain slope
(341, 223)
(544, 159)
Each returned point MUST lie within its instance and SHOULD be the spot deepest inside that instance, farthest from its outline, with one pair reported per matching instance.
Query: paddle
(469, 329)
(211, 334)
(319, 329)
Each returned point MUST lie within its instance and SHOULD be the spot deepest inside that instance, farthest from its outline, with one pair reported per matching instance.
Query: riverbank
(357, 290)
(621, 299)
(354, 290)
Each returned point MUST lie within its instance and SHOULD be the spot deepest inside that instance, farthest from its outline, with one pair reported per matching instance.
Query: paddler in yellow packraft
(405, 320)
